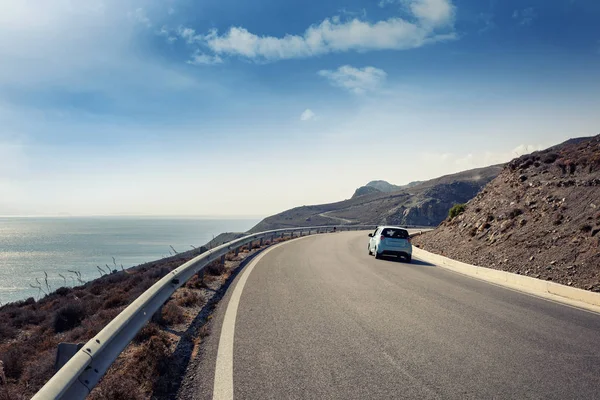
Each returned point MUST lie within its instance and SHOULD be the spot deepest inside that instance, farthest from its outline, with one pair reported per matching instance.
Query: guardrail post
(250, 246)
(261, 242)
(223, 259)
(237, 251)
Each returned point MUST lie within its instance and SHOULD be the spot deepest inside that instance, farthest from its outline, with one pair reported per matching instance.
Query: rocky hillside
(540, 217)
(381, 187)
(422, 204)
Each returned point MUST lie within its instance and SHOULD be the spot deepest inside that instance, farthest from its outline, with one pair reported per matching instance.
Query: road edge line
(223, 382)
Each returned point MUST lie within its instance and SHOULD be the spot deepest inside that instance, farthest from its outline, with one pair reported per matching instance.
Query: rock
(531, 258)
(548, 268)
(523, 178)
(549, 278)
(552, 262)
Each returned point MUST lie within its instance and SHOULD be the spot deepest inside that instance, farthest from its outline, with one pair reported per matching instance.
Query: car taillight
(382, 237)
(408, 238)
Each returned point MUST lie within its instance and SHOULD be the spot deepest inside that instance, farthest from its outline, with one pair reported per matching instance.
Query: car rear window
(395, 233)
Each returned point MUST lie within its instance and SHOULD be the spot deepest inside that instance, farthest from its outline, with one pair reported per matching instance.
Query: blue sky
(227, 107)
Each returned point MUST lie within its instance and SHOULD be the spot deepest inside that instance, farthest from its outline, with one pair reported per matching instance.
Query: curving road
(320, 319)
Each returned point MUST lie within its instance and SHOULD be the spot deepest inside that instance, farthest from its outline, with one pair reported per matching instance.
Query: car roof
(390, 227)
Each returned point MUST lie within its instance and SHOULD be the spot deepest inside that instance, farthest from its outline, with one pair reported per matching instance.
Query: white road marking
(223, 386)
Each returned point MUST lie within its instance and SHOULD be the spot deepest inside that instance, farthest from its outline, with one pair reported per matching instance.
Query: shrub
(118, 387)
(41, 369)
(586, 228)
(215, 268)
(114, 301)
(456, 210)
(171, 314)
(7, 332)
(550, 158)
(68, 317)
(13, 361)
(188, 298)
(149, 330)
(515, 213)
(63, 291)
(28, 317)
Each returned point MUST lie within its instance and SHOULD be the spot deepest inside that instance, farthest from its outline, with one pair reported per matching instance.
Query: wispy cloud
(199, 58)
(164, 31)
(432, 21)
(307, 115)
(355, 80)
(139, 15)
(526, 16)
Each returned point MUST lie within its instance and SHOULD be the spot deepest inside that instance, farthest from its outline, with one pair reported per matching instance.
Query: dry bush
(28, 317)
(215, 268)
(196, 281)
(118, 387)
(550, 158)
(13, 362)
(585, 228)
(171, 314)
(11, 392)
(68, 317)
(149, 330)
(63, 291)
(7, 331)
(115, 300)
(37, 372)
(187, 298)
(514, 213)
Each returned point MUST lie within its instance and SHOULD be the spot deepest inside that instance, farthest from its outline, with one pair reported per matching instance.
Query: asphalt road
(318, 318)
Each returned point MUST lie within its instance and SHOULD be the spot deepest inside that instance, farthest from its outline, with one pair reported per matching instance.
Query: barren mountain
(422, 204)
(540, 217)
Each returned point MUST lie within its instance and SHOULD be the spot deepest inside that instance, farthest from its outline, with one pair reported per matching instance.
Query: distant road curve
(342, 220)
(318, 318)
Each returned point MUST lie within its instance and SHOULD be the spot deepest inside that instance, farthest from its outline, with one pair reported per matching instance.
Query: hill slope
(423, 204)
(540, 217)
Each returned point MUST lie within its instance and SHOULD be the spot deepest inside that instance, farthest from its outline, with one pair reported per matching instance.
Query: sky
(231, 107)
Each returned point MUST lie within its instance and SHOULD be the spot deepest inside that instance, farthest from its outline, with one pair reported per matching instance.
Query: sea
(32, 248)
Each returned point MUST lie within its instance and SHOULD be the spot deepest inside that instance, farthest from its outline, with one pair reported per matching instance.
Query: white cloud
(434, 12)
(167, 34)
(307, 115)
(432, 22)
(355, 80)
(384, 3)
(204, 59)
(188, 34)
(525, 16)
(460, 162)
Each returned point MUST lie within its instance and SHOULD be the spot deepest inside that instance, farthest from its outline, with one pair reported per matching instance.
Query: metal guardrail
(83, 371)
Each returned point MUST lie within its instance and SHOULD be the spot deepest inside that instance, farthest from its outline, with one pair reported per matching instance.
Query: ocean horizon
(32, 246)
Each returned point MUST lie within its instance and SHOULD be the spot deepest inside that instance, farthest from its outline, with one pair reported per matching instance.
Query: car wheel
(408, 259)
(369, 248)
(377, 256)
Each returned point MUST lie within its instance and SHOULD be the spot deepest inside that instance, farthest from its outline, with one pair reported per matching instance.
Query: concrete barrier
(549, 290)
